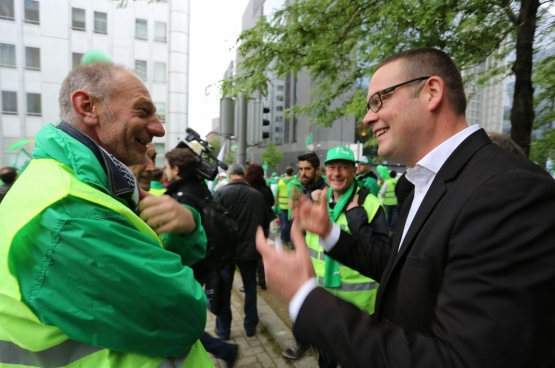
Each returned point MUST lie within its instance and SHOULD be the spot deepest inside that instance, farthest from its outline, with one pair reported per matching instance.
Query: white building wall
(57, 41)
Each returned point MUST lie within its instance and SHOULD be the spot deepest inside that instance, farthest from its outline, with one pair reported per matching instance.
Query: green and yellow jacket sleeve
(88, 271)
(191, 247)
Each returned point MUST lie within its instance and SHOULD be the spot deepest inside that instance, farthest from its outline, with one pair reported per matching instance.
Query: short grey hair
(236, 169)
(94, 78)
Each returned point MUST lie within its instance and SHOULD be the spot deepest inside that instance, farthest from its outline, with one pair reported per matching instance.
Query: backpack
(222, 233)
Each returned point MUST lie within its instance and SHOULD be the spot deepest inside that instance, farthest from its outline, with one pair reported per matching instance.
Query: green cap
(365, 160)
(340, 153)
(94, 56)
(274, 174)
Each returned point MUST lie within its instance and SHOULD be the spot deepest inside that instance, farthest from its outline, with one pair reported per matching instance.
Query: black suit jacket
(474, 283)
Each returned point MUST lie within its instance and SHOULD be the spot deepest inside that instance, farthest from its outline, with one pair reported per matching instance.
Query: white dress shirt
(421, 175)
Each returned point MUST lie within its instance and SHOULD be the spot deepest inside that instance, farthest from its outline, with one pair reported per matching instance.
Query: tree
(339, 43)
(271, 155)
(216, 146)
(543, 148)
(229, 158)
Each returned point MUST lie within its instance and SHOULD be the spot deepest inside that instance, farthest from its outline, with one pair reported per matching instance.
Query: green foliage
(229, 158)
(216, 146)
(339, 42)
(543, 148)
(271, 155)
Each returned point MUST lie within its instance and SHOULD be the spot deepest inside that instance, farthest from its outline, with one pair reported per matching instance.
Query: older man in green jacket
(93, 269)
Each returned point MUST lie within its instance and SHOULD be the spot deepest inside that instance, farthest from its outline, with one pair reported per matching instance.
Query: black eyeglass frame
(389, 90)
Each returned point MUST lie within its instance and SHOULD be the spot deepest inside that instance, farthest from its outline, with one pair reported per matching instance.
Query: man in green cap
(365, 177)
(358, 213)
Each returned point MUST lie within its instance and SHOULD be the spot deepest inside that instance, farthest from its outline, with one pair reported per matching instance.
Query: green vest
(390, 199)
(24, 340)
(355, 288)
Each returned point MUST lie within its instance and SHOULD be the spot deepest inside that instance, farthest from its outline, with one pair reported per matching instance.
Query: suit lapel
(437, 190)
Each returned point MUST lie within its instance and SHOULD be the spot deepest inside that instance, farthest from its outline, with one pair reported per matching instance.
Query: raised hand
(313, 216)
(285, 271)
(165, 215)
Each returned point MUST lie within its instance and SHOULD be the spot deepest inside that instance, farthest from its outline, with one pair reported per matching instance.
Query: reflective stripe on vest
(365, 286)
(24, 340)
(63, 355)
(355, 288)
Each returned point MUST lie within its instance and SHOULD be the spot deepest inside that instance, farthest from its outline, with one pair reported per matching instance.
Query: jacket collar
(90, 163)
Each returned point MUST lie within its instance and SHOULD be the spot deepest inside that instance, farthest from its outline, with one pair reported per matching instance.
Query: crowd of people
(449, 264)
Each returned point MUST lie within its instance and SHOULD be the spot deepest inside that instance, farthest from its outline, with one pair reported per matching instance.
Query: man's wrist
(329, 241)
(298, 299)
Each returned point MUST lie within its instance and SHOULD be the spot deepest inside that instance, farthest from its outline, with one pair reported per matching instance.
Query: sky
(214, 28)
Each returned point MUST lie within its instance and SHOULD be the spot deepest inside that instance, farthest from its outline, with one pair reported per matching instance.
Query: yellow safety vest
(282, 194)
(355, 288)
(24, 340)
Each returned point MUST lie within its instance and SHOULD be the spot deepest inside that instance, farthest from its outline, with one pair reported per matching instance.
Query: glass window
(34, 106)
(161, 111)
(100, 23)
(140, 69)
(279, 108)
(159, 72)
(75, 60)
(32, 58)
(160, 31)
(32, 14)
(6, 9)
(279, 98)
(7, 55)
(279, 88)
(78, 19)
(141, 30)
(9, 102)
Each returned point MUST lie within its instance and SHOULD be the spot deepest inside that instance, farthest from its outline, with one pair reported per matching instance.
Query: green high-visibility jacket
(355, 288)
(85, 282)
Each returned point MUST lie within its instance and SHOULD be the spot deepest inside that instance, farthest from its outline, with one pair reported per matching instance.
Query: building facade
(41, 41)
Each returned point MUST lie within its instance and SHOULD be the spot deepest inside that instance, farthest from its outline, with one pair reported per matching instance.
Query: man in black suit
(471, 281)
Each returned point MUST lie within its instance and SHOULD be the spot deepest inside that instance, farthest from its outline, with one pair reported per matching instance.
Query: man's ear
(84, 106)
(435, 92)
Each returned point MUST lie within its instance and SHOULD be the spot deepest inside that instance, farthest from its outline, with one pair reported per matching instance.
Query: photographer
(186, 186)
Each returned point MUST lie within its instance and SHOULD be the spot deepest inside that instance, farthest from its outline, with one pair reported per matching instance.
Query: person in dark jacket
(8, 175)
(187, 187)
(248, 208)
(255, 177)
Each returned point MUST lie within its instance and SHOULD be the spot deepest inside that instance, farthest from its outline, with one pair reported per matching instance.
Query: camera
(208, 163)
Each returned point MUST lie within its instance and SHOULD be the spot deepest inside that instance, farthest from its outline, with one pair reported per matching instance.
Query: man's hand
(313, 216)
(285, 271)
(315, 195)
(165, 215)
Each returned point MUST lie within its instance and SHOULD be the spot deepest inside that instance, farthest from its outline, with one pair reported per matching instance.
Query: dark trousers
(218, 347)
(248, 274)
(285, 227)
(391, 216)
(260, 272)
(323, 362)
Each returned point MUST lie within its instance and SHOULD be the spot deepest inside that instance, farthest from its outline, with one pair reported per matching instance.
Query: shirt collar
(430, 164)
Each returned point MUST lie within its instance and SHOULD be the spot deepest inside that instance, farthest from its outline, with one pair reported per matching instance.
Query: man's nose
(150, 166)
(370, 118)
(155, 127)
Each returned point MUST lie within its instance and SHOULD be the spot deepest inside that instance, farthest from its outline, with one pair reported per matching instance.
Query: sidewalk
(262, 350)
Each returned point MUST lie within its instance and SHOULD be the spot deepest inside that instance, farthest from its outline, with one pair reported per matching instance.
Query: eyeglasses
(375, 102)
